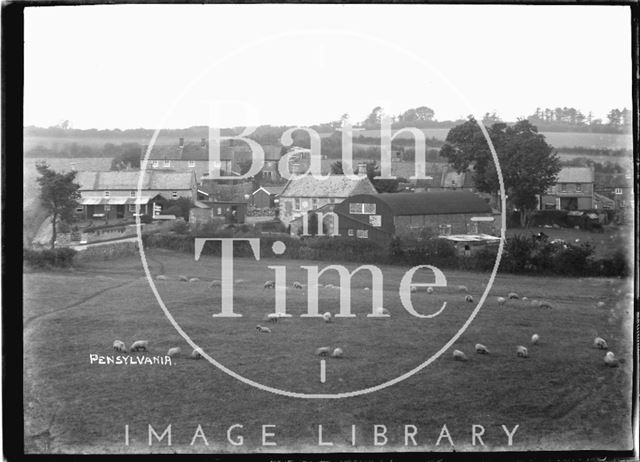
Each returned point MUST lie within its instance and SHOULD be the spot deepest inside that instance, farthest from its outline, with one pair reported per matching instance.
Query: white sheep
(118, 345)
(269, 285)
(610, 359)
(524, 299)
(215, 283)
(139, 345)
(195, 354)
(272, 317)
(337, 353)
(468, 298)
(183, 278)
(513, 296)
(600, 304)
(545, 305)
(323, 351)
(522, 352)
(297, 285)
(600, 343)
(366, 289)
(161, 277)
(413, 289)
(175, 351)
(327, 317)
(481, 349)
(382, 311)
(463, 289)
(459, 355)
(535, 339)
(194, 280)
(429, 290)
(535, 303)
(263, 329)
(502, 300)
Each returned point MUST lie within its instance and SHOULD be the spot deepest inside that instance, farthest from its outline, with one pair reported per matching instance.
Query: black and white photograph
(347, 230)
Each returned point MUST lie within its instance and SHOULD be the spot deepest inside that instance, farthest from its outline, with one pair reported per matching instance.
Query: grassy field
(562, 396)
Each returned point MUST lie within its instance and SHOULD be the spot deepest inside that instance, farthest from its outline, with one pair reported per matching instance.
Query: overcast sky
(152, 66)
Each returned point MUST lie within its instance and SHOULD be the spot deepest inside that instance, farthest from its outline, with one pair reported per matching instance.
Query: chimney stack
(203, 143)
(362, 169)
(181, 143)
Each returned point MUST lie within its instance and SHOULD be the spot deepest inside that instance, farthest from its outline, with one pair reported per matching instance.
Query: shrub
(108, 251)
(572, 260)
(60, 257)
(146, 219)
(180, 227)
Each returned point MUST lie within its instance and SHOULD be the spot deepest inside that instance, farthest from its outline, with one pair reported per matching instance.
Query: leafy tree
(58, 194)
(424, 113)
(336, 168)
(373, 119)
(529, 165)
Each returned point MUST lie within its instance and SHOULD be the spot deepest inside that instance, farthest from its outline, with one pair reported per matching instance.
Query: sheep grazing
(327, 317)
(459, 355)
(323, 351)
(600, 304)
(468, 299)
(545, 305)
(215, 283)
(600, 343)
(263, 329)
(524, 299)
(382, 311)
(161, 277)
(337, 353)
(463, 289)
(481, 349)
(513, 296)
(610, 359)
(183, 278)
(269, 285)
(297, 285)
(175, 351)
(502, 300)
(429, 290)
(195, 354)
(194, 280)
(272, 317)
(535, 303)
(366, 289)
(535, 339)
(118, 345)
(522, 352)
(139, 345)
(413, 289)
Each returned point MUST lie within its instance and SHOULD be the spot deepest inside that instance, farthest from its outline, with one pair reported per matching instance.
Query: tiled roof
(575, 175)
(334, 186)
(436, 202)
(128, 180)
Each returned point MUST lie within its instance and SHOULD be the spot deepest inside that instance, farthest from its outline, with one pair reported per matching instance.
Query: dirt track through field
(75, 304)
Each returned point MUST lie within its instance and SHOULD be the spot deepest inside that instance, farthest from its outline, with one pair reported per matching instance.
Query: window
(79, 209)
(350, 232)
(133, 194)
(219, 211)
(174, 195)
(167, 163)
(155, 164)
(362, 233)
(314, 203)
(192, 163)
(579, 187)
(107, 208)
(563, 187)
(444, 230)
(107, 194)
(296, 204)
(132, 208)
(332, 200)
(357, 208)
(618, 191)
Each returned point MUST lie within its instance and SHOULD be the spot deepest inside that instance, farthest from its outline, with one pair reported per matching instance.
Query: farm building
(304, 193)
(265, 196)
(573, 190)
(381, 216)
(217, 211)
(616, 186)
(114, 194)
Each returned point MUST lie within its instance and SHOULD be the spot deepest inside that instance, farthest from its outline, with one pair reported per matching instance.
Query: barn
(382, 216)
